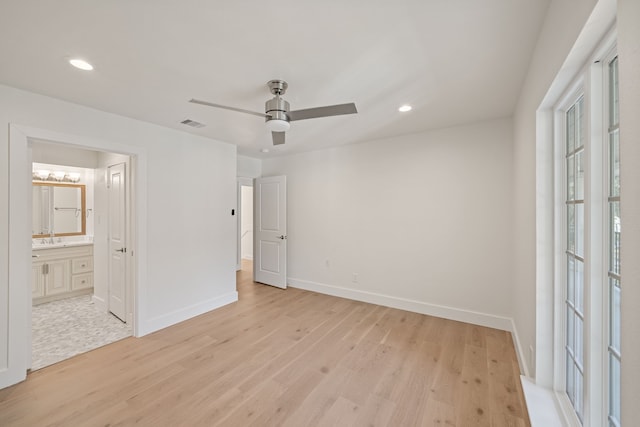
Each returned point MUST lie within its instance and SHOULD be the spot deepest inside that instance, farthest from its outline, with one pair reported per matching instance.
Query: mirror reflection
(58, 210)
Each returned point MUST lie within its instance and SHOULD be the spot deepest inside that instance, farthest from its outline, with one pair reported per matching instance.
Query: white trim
(18, 307)
(578, 71)
(566, 409)
(549, 219)
(546, 407)
(542, 405)
(177, 316)
(606, 239)
(19, 237)
(138, 155)
(522, 361)
(452, 313)
(545, 222)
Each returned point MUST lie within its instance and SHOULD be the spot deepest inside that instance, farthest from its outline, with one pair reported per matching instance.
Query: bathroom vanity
(62, 253)
(61, 270)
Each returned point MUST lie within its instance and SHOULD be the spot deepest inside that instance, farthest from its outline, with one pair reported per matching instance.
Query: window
(613, 274)
(587, 249)
(575, 237)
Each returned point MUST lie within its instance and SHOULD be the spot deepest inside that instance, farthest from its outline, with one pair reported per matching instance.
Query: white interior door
(270, 231)
(117, 241)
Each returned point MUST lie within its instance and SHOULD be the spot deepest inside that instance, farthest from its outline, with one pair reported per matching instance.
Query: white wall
(424, 221)
(564, 20)
(249, 167)
(186, 233)
(45, 152)
(629, 60)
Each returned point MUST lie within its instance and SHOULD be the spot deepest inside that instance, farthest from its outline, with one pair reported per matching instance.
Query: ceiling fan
(276, 111)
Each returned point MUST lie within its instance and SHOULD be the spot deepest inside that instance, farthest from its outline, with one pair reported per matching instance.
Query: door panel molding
(270, 231)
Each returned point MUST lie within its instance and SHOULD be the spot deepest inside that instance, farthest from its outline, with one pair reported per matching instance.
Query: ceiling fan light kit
(278, 125)
(276, 108)
(277, 114)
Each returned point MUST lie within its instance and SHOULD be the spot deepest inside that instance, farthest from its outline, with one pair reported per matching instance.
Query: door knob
(282, 237)
(123, 250)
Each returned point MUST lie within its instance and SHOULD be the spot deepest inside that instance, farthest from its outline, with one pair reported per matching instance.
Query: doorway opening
(82, 282)
(245, 223)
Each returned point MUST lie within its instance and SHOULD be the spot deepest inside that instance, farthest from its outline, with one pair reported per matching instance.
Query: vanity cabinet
(62, 272)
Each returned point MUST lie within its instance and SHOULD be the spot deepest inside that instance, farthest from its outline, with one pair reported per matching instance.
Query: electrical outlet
(354, 278)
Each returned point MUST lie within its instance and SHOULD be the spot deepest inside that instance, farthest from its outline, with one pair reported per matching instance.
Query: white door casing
(15, 292)
(270, 231)
(117, 241)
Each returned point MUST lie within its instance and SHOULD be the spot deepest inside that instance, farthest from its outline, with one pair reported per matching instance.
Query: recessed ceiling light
(264, 150)
(82, 64)
(405, 108)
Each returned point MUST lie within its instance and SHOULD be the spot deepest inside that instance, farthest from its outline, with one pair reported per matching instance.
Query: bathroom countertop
(40, 246)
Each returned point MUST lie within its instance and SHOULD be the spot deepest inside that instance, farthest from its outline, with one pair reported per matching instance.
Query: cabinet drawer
(82, 281)
(81, 265)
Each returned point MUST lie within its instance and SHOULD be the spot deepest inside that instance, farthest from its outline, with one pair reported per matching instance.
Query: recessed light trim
(81, 64)
(264, 150)
(405, 108)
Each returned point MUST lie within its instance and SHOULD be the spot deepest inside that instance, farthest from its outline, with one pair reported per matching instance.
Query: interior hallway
(284, 357)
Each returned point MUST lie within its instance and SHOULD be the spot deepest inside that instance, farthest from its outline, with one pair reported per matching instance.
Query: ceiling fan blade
(240, 110)
(331, 110)
(278, 138)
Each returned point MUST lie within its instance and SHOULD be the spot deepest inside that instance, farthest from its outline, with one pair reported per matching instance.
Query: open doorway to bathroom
(245, 223)
(80, 232)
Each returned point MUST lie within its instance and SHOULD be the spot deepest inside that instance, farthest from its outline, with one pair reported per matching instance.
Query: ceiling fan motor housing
(277, 109)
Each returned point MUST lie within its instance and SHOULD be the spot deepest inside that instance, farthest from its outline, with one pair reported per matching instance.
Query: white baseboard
(99, 302)
(180, 315)
(249, 257)
(451, 313)
(522, 360)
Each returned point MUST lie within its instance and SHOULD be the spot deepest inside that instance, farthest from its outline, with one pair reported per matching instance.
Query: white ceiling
(455, 61)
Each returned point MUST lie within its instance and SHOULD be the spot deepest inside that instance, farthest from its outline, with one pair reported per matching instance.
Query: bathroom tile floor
(65, 328)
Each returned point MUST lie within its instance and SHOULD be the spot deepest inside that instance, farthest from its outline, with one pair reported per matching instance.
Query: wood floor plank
(284, 358)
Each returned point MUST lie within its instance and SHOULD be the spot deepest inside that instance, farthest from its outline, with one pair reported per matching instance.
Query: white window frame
(570, 97)
(592, 83)
(610, 56)
(599, 30)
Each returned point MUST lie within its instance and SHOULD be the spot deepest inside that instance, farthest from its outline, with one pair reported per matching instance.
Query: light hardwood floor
(284, 358)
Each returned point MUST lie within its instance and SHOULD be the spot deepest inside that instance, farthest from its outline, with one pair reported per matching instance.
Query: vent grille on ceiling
(192, 123)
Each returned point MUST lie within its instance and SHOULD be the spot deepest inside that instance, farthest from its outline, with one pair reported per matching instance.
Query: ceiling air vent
(192, 123)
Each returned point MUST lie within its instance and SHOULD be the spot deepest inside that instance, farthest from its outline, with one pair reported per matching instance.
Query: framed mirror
(58, 209)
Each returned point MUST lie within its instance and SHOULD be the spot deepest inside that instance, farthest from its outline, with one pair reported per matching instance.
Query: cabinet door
(58, 277)
(37, 280)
